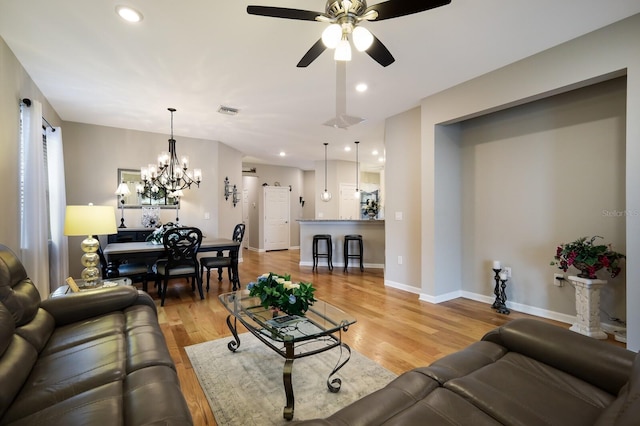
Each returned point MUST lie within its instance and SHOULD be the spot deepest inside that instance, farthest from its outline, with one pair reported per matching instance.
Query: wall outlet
(207, 216)
(558, 280)
(507, 270)
(399, 260)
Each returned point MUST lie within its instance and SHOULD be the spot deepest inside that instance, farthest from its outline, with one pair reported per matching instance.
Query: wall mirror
(136, 197)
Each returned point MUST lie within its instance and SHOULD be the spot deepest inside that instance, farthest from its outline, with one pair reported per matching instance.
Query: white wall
(598, 56)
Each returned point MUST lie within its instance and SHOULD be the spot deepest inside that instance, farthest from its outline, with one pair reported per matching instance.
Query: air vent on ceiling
(227, 110)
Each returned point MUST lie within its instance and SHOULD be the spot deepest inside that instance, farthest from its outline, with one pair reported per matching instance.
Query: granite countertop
(342, 220)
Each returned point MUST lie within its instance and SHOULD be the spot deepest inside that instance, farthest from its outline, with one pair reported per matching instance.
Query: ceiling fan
(344, 17)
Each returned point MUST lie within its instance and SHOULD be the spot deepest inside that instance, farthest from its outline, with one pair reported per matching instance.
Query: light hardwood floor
(394, 328)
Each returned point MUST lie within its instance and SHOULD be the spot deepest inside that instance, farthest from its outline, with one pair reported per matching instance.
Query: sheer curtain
(59, 249)
(34, 227)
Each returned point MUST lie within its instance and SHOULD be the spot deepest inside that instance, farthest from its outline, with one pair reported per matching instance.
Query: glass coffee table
(292, 337)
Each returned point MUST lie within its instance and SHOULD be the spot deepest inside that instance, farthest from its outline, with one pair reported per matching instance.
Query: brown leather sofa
(524, 373)
(89, 358)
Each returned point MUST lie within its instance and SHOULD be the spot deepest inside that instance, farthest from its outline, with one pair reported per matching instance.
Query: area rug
(245, 388)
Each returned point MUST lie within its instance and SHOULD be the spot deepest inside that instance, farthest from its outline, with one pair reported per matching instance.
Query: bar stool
(355, 238)
(327, 254)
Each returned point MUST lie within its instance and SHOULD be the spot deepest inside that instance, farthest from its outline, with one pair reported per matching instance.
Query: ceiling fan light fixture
(362, 38)
(343, 50)
(331, 36)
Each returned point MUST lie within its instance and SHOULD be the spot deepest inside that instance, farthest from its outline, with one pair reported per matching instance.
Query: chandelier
(169, 176)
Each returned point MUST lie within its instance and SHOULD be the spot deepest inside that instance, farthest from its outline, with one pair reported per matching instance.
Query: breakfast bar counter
(372, 232)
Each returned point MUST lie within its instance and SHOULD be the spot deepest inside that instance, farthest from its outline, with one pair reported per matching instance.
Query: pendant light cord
(357, 167)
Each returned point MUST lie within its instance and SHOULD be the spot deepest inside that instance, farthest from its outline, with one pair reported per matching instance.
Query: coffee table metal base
(289, 354)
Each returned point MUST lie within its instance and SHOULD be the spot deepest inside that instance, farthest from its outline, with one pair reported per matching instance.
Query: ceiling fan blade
(311, 55)
(283, 12)
(395, 8)
(380, 53)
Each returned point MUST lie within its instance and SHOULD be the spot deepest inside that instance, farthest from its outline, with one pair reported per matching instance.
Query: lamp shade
(331, 36)
(90, 220)
(123, 189)
(362, 38)
(343, 51)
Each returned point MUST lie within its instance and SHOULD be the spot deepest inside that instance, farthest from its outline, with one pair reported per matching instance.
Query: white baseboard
(520, 307)
(402, 287)
(526, 309)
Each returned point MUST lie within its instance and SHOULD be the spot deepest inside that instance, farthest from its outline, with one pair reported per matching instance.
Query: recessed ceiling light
(347, 148)
(361, 87)
(375, 152)
(282, 154)
(129, 14)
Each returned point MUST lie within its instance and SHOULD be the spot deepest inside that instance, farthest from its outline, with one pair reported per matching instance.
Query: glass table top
(320, 320)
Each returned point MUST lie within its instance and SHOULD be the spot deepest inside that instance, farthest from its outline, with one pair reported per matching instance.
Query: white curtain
(59, 249)
(34, 227)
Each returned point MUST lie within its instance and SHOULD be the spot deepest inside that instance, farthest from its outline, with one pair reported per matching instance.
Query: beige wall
(402, 181)
(601, 55)
(539, 175)
(94, 153)
(15, 84)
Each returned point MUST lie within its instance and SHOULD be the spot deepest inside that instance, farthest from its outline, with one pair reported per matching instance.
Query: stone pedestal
(588, 307)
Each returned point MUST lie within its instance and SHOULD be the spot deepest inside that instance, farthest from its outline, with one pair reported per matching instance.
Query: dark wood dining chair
(220, 261)
(181, 248)
(138, 271)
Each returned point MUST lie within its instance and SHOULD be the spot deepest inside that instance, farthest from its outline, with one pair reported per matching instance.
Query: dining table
(149, 253)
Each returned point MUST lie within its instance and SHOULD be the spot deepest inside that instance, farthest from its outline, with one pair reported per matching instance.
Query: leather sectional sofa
(89, 358)
(526, 372)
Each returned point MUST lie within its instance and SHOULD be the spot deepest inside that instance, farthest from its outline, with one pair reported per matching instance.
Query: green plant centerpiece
(588, 257)
(279, 292)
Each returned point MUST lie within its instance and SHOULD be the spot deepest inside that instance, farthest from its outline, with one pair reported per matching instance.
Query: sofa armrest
(601, 364)
(80, 306)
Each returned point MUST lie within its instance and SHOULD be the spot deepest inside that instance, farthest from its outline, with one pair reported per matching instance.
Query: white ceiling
(195, 55)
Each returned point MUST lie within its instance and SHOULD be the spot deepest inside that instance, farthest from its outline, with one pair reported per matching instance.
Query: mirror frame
(136, 201)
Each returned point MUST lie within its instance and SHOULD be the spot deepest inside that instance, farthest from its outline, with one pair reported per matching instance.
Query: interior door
(349, 206)
(277, 202)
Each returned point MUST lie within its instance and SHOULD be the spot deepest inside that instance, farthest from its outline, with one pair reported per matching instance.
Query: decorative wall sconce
(227, 188)
(235, 196)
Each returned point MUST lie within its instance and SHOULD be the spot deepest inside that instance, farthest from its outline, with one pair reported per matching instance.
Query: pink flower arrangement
(589, 258)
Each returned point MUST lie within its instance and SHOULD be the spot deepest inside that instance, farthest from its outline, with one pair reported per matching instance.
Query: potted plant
(278, 293)
(588, 257)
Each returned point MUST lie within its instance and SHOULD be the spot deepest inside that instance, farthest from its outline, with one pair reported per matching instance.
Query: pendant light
(326, 195)
(357, 193)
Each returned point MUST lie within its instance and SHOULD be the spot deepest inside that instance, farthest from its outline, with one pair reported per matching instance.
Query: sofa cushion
(92, 353)
(463, 362)
(17, 292)
(524, 391)
(400, 394)
(442, 407)
(625, 410)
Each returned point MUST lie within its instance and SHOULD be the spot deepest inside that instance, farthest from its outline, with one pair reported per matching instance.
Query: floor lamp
(90, 221)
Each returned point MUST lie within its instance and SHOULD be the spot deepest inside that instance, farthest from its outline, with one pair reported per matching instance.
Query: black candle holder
(500, 304)
(502, 309)
(496, 290)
